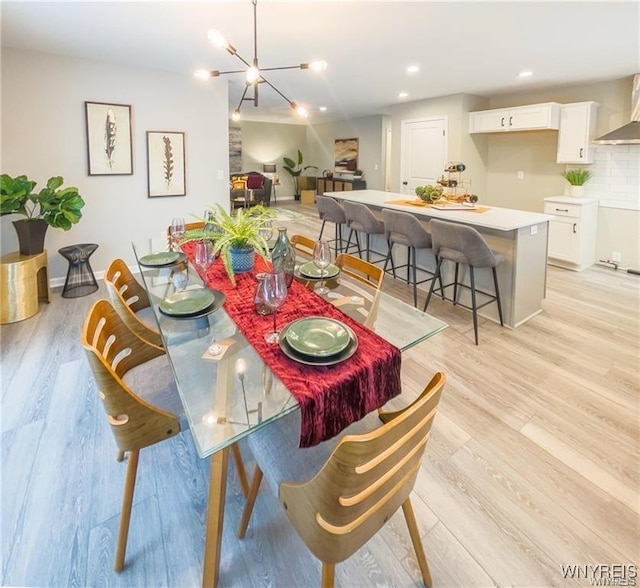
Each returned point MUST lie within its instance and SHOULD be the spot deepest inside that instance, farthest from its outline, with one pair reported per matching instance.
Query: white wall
(43, 134)
(269, 143)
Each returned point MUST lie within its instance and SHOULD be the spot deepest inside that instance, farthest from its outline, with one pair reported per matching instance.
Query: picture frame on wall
(345, 155)
(166, 164)
(109, 141)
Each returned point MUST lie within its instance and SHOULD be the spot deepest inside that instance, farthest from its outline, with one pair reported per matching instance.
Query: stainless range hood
(629, 133)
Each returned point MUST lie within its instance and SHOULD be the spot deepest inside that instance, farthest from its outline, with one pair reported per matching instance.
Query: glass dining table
(226, 389)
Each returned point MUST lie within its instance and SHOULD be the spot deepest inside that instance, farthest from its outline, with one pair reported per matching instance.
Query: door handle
(575, 228)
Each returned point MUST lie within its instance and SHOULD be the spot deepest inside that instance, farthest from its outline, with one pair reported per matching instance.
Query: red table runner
(330, 397)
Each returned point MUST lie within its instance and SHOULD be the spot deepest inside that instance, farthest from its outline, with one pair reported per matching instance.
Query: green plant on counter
(58, 207)
(577, 177)
(429, 193)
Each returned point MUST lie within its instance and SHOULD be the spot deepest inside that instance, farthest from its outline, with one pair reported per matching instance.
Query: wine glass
(275, 293)
(266, 232)
(322, 260)
(204, 255)
(180, 279)
(178, 229)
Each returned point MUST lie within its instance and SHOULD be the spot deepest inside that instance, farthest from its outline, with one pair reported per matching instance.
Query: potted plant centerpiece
(237, 238)
(296, 169)
(53, 206)
(577, 178)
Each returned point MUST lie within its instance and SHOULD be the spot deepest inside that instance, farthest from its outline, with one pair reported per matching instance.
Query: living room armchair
(250, 189)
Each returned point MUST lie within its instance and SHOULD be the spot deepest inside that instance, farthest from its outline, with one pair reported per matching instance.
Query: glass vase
(283, 256)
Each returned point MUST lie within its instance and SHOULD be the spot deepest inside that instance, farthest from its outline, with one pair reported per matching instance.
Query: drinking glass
(266, 232)
(275, 293)
(204, 255)
(322, 260)
(178, 229)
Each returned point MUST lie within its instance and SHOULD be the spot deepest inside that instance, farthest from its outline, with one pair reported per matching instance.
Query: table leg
(215, 517)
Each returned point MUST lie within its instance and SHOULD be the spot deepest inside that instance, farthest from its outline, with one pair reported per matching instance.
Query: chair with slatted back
(339, 494)
(303, 245)
(137, 420)
(131, 302)
(361, 270)
(187, 227)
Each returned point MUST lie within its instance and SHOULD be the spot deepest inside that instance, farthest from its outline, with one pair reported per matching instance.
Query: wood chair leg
(242, 473)
(328, 574)
(407, 509)
(120, 456)
(127, 503)
(251, 500)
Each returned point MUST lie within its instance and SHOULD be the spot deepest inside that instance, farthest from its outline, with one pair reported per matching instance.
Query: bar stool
(330, 210)
(80, 279)
(464, 244)
(360, 218)
(405, 229)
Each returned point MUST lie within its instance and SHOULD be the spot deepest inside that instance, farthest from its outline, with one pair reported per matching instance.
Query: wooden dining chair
(131, 301)
(303, 245)
(363, 271)
(338, 494)
(187, 227)
(138, 418)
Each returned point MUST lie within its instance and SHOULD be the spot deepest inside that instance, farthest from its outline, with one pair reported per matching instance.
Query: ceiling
(461, 47)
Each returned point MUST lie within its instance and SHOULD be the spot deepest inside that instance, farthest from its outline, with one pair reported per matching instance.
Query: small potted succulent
(53, 206)
(577, 179)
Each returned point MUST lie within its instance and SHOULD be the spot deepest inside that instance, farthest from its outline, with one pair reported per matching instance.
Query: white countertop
(500, 219)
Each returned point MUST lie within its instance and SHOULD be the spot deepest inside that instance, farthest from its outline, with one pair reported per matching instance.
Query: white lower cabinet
(572, 233)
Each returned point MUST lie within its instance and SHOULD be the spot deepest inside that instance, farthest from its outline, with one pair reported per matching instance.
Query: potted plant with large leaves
(296, 169)
(53, 206)
(237, 238)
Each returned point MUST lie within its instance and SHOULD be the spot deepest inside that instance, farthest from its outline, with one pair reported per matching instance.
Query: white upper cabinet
(533, 117)
(577, 128)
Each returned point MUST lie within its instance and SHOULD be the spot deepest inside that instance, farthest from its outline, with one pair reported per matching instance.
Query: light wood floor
(533, 464)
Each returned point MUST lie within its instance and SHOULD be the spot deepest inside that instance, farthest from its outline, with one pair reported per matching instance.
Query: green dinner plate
(187, 302)
(311, 270)
(317, 336)
(161, 259)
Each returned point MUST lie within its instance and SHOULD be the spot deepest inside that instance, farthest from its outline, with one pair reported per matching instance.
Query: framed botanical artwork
(109, 150)
(166, 164)
(345, 155)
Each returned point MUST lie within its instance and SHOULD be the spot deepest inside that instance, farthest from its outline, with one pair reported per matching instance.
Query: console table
(23, 283)
(339, 185)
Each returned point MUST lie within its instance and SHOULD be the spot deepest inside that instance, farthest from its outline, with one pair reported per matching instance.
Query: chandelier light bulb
(235, 115)
(217, 39)
(318, 65)
(201, 74)
(301, 111)
(253, 75)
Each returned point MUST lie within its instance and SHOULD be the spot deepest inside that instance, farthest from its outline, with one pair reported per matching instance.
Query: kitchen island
(518, 234)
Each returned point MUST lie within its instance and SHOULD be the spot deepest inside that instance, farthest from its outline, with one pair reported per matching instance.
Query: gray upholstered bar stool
(405, 229)
(360, 218)
(464, 244)
(330, 210)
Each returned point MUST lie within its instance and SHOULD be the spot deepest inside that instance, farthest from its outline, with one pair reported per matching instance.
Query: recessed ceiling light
(413, 68)
(323, 109)
(525, 74)
(402, 95)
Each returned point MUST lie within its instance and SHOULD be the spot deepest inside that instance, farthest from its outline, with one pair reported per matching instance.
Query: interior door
(424, 152)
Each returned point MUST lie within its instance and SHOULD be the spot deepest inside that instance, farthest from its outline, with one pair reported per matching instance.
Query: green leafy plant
(58, 207)
(577, 177)
(429, 193)
(240, 231)
(296, 168)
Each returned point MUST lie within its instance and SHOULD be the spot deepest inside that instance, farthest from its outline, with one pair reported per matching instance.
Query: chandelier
(254, 74)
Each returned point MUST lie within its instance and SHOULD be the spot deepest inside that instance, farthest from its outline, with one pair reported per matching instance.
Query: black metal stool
(80, 279)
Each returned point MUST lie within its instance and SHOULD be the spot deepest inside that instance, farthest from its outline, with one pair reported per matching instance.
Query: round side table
(80, 279)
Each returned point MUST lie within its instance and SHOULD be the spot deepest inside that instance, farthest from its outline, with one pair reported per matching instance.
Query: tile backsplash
(616, 176)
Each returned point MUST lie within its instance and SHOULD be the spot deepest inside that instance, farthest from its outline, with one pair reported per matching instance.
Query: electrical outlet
(520, 175)
(616, 256)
